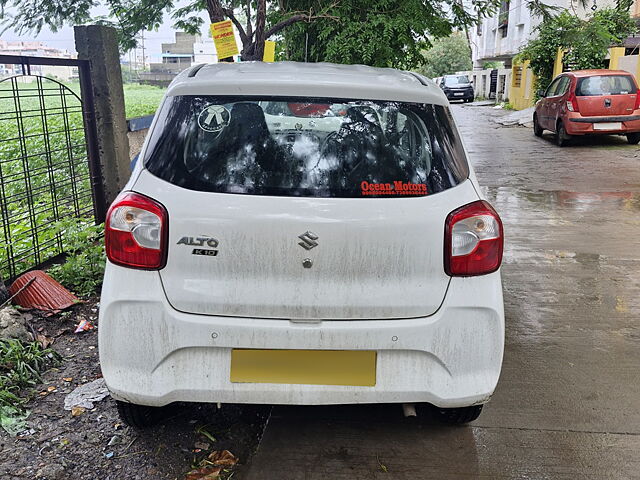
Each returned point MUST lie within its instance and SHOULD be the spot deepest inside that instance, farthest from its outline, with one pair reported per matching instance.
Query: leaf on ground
(224, 458)
(12, 420)
(204, 473)
(203, 431)
(43, 340)
(77, 411)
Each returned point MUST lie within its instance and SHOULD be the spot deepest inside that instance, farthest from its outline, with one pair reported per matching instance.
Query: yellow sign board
(224, 39)
(269, 54)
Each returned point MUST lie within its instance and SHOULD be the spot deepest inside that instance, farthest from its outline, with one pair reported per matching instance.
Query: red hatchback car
(590, 102)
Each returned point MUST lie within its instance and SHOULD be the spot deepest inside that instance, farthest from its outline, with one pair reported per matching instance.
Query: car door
(287, 232)
(557, 101)
(543, 115)
(552, 103)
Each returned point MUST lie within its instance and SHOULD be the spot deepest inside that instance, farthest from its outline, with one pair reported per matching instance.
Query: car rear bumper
(152, 354)
(579, 125)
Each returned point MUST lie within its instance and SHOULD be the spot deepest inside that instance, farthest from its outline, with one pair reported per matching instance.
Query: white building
(37, 49)
(500, 38)
(205, 51)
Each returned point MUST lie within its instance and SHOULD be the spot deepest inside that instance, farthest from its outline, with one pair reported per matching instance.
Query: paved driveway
(568, 402)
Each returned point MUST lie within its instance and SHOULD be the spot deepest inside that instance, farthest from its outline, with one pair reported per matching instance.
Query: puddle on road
(574, 201)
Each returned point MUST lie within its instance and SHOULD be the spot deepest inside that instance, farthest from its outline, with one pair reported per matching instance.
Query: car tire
(633, 138)
(458, 416)
(138, 416)
(537, 129)
(562, 139)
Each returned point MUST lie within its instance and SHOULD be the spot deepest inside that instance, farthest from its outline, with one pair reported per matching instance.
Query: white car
(335, 249)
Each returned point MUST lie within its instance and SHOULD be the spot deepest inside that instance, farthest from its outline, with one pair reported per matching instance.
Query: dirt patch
(95, 444)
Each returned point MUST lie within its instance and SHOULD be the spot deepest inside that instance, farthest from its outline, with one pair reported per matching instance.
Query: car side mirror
(540, 93)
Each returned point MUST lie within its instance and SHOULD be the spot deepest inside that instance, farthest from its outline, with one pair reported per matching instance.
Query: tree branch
(249, 26)
(299, 17)
(243, 35)
(216, 12)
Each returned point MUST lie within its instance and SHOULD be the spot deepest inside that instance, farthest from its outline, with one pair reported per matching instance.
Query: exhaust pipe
(409, 410)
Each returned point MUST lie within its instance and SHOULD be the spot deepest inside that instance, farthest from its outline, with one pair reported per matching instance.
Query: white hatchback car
(302, 234)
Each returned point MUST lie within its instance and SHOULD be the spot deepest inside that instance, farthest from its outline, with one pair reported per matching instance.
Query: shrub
(586, 42)
(83, 269)
(20, 367)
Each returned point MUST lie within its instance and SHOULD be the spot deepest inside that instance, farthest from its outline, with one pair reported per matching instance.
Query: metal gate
(49, 171)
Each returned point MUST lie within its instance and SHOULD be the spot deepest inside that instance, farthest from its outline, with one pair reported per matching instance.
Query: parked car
(334, 250)
(457, 87)
(590, 102)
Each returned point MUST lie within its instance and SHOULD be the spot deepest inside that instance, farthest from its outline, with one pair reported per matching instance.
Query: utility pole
(144, 58)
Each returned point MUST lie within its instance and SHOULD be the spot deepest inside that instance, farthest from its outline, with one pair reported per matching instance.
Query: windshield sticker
(214, 118)
(395, 188)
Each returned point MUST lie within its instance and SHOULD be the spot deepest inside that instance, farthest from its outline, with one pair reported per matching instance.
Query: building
(186, 51)
(500, 38)
(37, 49)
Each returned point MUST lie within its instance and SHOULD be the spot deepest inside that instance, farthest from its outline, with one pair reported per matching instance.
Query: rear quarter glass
(314, 147)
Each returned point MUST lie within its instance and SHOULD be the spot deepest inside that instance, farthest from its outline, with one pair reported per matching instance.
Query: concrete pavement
(568, 402)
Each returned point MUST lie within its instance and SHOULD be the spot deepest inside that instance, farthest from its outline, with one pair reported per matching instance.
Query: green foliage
(382, 33)
(586, 42)
(140, 100)
(83, 268)
(447, 55)
(374, 32)
(20, 367)
(491, 65)
(55, 168)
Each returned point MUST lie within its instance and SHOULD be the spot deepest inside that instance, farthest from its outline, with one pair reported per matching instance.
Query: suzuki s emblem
(308, 240)
(607, 102)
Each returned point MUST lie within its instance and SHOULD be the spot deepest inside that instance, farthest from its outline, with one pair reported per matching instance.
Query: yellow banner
(224, 39)
(269, 54)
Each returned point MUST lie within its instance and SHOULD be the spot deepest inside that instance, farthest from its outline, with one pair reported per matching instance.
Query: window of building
(503, 18)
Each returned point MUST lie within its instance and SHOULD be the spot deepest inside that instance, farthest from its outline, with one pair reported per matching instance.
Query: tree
(448, 55)
(382, 33)
(585, 42)
(375, 32)
(130, 17)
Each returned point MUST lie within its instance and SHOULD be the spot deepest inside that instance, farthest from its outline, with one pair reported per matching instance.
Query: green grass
(140, 100)
(21, 365)
(53, 167)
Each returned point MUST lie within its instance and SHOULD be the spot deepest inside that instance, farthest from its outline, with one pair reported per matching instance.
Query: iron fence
(49, 171)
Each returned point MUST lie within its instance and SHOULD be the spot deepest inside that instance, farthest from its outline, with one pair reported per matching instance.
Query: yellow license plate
(310, 367)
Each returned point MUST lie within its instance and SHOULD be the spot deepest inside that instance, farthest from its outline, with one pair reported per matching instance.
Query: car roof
(596, 72)
(295, 79)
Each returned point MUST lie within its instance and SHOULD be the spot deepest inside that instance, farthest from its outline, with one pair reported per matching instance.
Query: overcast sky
(63, 38)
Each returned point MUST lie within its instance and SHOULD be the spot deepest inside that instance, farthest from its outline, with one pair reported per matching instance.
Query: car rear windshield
(605, 85)
(306, 147)
(458, 80)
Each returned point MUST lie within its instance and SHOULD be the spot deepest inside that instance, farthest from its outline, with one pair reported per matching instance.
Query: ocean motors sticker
(395, 188)
(214, 118)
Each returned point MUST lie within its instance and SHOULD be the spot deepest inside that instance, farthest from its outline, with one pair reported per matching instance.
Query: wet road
(568, 402)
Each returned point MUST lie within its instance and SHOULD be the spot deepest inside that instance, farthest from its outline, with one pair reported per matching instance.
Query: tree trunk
(252, 45)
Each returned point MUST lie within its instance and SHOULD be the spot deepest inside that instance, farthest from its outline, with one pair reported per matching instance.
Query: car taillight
(136, 232)
(473, 240)
(572, 103)
(637, 105)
